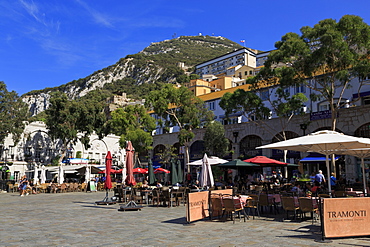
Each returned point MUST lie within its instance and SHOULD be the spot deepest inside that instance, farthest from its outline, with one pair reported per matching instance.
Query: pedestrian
(333, 181)
(320, 178)
(23, 184)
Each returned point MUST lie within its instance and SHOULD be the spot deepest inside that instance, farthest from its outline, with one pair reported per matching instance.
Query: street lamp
(235, 134)
(304, 127)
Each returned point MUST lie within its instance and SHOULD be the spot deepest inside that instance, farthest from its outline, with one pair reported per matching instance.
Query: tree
(134, 124)
(324, 58)
(70, 121)
(13, 113)
(215, 141)
(254, 109)
(178, 106)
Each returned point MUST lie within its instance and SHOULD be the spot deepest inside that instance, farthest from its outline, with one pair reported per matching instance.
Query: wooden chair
(306, 205)
(252, 205)
(180, 196)
(264, 202)
(82, 187)
(156, 197)
(216, 206)
(232, 209)
(168, 197)
(136, 196)
(289, 205)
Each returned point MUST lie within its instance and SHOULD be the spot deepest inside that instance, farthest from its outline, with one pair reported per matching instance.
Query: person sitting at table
(297, 189)
(317, 188)
(159, 185)
(145, 184)
(196, 185)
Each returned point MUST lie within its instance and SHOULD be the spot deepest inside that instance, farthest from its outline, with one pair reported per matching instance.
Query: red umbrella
(108, 165)
(161, 170)
(130, 180)
(139, 170)
(264, 161)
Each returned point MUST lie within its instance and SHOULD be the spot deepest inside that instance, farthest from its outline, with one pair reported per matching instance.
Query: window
(366, 100)
(265, 94)
(300, 89)
(246, 73)
(212, 106)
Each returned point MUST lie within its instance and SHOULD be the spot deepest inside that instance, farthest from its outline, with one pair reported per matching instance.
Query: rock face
(155, 63)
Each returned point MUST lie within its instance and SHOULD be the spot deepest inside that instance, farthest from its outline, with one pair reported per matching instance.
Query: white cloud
(97, 16)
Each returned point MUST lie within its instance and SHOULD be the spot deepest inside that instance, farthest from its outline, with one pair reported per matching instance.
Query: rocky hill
(169, 61)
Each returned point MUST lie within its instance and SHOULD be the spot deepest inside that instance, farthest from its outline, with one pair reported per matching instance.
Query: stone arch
(279, 154)
(248, 146)
(327, 128)
(363, 131)
(196, 150)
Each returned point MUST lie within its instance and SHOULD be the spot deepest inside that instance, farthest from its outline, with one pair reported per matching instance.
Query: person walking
(333, 181)
(23, 184)
(320, 178)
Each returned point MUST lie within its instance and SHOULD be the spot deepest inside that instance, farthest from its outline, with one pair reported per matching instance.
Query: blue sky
(47, 43)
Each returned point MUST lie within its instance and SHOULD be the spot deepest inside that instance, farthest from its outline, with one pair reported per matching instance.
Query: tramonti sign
(345, 217)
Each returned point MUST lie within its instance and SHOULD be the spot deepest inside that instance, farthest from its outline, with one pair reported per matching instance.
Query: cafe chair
(216, 206)
(289, 205)
(168, 197)
(232, 208)
(252, 205)
(264, 202)
(306, 205)
(156, 197)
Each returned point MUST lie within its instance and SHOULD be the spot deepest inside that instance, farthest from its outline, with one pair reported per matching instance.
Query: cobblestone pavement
(73, 219)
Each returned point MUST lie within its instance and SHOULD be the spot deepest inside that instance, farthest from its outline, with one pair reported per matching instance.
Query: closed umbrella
(61, 174)
(36, 175)
(206, 176)
(43, 175)
(108, 165)
(151, 173)
(130, 180)
(174, 179)
(180, 176)
(108, 180)
(87, 174)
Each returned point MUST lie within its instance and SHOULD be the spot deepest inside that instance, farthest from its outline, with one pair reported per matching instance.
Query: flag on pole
(242, 41)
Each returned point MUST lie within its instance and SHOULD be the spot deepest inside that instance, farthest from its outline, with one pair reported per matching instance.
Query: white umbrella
(43, 175)
(212, 160)
(206, 176)
(36, 175)
(324, 142)
(87, 174)
(61, 175)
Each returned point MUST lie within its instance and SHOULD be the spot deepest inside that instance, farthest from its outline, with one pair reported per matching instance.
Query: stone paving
(73, 219)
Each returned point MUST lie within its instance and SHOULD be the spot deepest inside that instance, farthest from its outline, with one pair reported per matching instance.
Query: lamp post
(236, 148)
(304, 127)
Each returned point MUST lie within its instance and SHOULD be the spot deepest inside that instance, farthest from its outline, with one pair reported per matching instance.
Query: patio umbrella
(139, 170)
(91, 169)
(237, 163)
(130, 180)
(212, 160)
(124, 171)
(36, 175)
(174, 179)
(108, 165)
(151, 173)
(60, 174)
(206, 176)
(324, 142)
(180, 176)
(264, 161)
(43, 175)
(161, 170)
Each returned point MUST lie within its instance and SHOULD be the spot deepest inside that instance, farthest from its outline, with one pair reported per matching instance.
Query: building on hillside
(220, 65)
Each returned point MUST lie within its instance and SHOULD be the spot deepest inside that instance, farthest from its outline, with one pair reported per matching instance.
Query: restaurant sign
(345, 217)
(197, 206)
(320, 115)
